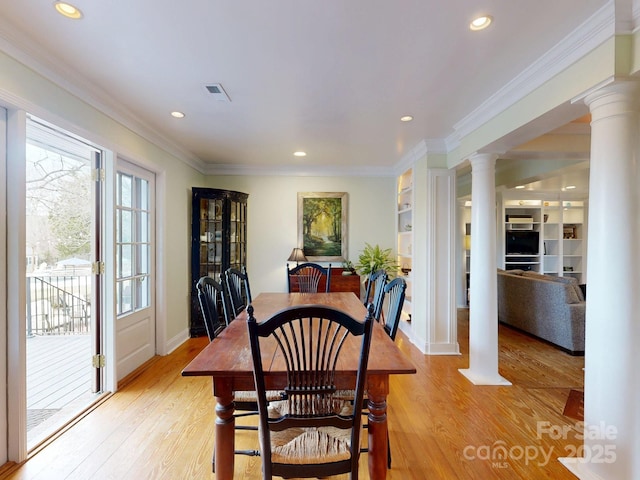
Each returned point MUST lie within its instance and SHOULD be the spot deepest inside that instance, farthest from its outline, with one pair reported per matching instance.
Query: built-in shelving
(561, 230)
(404, 229)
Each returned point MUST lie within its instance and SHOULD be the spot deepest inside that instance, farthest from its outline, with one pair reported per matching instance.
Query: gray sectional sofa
(551, 308)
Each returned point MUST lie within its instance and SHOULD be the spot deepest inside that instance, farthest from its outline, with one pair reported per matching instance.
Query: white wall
(272, 218)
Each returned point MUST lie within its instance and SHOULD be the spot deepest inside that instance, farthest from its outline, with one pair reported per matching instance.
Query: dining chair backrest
(309, 339)
(211, 297)
(375, 287)
(308, 276)
(236, 284)
(395, 292)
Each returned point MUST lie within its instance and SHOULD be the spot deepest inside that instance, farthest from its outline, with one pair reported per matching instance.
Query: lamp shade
(297, 255)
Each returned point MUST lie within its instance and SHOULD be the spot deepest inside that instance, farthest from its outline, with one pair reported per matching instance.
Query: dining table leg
(224, 441)
(377, 390)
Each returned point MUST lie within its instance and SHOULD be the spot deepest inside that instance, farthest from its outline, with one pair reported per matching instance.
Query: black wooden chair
(236, 284)
(313, 433)
(308, 276)
(210, 295)
(395, 292)
(375, 286)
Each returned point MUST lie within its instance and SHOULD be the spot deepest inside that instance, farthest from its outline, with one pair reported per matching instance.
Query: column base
(483, 379)
(579, 468)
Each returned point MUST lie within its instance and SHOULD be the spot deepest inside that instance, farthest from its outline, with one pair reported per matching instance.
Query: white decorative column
(434, 325)
(612, 373)
(483, 285)
(442, 321)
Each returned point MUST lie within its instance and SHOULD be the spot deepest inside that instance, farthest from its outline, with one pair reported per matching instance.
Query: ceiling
(330, 78)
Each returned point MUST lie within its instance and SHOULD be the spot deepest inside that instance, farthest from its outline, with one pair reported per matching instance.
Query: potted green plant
(374, 258)
(348, 268)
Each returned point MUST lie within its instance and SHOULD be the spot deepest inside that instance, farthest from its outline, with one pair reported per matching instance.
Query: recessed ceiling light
(299, 153)
(68, 10)
(570, 187)
(406, 118)
(177, 114)
(519, 187)
(481, 22)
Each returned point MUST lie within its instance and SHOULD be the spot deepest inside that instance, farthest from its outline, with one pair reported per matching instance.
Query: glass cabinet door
(238, 229)
(211, 245)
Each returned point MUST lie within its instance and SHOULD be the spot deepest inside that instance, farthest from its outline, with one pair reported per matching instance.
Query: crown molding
(302, 171)
(592, 33)
(437, 145)
(409, 158)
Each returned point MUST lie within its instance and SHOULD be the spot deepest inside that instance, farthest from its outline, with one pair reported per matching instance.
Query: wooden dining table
(227, 359)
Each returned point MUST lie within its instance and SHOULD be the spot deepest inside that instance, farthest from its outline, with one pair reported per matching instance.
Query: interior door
(135, 267)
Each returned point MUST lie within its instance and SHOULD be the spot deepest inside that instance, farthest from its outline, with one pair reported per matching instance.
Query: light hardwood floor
(159, 425)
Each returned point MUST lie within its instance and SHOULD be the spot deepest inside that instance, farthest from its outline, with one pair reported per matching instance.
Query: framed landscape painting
(322, 225)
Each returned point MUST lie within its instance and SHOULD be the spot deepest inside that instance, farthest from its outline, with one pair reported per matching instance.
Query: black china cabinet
(218, 240)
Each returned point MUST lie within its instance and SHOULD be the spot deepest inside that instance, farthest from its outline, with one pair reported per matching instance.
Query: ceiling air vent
(218, 92)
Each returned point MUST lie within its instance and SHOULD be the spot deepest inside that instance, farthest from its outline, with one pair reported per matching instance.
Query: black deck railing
(58, 305)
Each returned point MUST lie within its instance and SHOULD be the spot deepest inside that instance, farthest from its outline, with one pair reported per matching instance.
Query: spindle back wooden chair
(307, 276)
(375, 286)
(314, 433)
(211, 297)
(394, 292)
(236, 284)
(210, 294)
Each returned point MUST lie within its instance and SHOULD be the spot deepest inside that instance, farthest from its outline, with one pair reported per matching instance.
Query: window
(133, 243)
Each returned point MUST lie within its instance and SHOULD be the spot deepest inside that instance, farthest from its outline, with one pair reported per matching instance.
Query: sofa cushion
(550, 278)
(574, 293)
(515, 271)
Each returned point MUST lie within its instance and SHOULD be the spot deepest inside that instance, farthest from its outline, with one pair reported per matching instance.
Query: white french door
(64, 216)
(67, 280)
(135, 267)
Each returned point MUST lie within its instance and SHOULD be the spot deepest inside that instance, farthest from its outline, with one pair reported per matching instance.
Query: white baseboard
(175, 342)
(442, 349)
(427, 348)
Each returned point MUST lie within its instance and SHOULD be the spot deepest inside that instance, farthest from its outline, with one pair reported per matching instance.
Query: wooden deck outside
(58, 382)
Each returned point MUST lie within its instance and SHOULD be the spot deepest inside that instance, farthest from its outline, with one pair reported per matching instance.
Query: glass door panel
(134, 252)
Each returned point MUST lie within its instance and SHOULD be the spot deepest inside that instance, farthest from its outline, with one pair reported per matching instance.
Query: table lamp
(297, 255)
